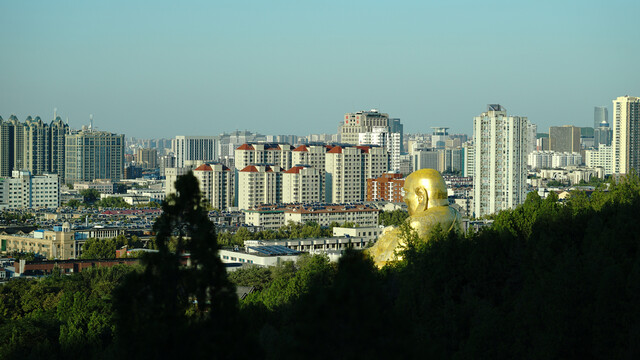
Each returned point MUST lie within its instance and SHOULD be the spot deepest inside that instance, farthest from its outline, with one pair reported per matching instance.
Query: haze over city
(159, 69)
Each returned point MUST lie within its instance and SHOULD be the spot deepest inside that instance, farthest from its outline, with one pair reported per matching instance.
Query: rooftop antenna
(67, 120)
(90, 122)
(55, 113)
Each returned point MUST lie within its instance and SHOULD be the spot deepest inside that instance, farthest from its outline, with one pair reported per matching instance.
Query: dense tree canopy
(547, 280)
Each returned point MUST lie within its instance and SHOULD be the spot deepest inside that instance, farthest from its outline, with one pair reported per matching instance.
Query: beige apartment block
(259, 184)
(302, 184)
(263, 153)
(216, 185)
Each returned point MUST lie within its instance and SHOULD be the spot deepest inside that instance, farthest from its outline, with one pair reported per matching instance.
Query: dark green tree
(182, 304)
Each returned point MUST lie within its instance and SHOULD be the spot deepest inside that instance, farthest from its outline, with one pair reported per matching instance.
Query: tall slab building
(500, 150)
(91, 155)
(625, 142)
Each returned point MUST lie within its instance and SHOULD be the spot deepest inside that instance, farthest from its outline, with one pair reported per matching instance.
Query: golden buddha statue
(427, 203)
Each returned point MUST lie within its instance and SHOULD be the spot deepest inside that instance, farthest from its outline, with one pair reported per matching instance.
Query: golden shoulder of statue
(426, 198)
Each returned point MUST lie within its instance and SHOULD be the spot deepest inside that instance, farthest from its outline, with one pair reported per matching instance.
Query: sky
(152, 69)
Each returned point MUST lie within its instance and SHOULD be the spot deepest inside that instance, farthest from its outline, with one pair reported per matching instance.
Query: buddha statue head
(424, 189)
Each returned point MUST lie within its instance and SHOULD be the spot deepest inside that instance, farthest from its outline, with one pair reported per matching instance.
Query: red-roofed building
(259, 184)
(387, 187)
(263, 153)
(348, 167)
(217, 185)
(302, 184)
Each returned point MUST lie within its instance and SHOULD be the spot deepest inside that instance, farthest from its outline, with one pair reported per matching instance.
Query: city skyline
(166, 69)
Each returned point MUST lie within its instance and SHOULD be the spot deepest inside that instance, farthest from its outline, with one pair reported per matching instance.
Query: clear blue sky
(166, 68)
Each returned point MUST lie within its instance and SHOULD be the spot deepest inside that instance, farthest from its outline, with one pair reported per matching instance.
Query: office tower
(216, 185)
(439, 137)
(395, 127)
(625, 142)
(259, 184)
(600, 114)
(302, 184)
(602, 135)
(192, 149)
(91, 155)
(24, 190)
(564, 138)
(501, 144)
(425, 159)
(147, 158)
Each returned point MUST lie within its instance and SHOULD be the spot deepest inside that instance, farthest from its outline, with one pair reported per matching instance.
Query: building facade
(302, 184)
(259, 184)
(564, 138)
(501, 144)
(194, 148)
(91, 155)
(26, 191)
(625, 142)
(387, 187)
(216, 185)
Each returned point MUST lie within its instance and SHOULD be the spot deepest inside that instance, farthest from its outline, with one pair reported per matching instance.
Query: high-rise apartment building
(259, 184)
(189, 149)
(625, 142)
(34, 146)
(348, 167)
(216, 185)
(302, 184)
(91, 155)
(501, 144)
(263, 153)
(390, 141)
(564, 138)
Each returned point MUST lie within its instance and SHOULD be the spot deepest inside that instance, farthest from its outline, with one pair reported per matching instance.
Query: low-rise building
(275, 216)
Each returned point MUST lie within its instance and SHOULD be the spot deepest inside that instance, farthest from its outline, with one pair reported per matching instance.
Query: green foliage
(74, 203)
(90, 196)
(170, 308)
(106, 248)
(60, 317)
(392, 218)
(290, 231)
(547, 280)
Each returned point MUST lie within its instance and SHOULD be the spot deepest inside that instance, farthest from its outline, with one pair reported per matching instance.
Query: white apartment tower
(501, 144)
(625, 142)
(188, 149)
(216, 185)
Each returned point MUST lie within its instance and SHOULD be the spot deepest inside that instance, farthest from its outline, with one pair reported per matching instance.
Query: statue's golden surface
(426, 198)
